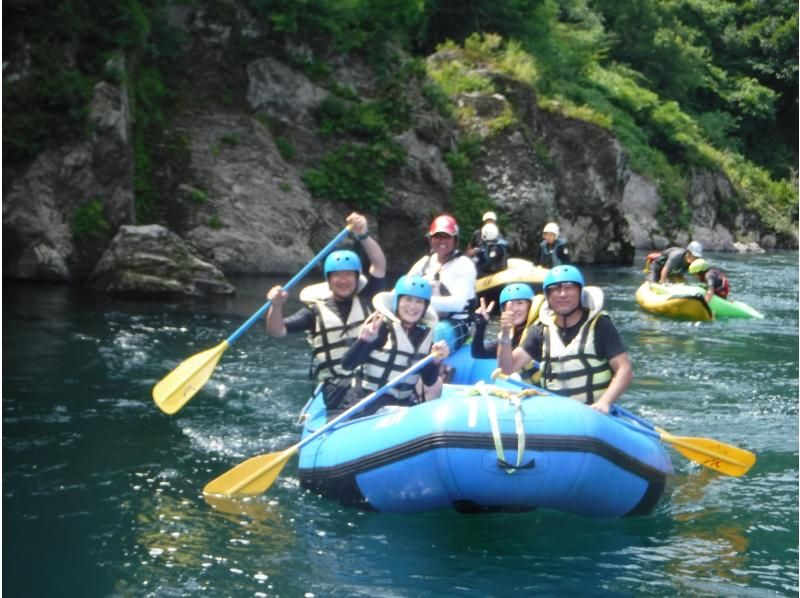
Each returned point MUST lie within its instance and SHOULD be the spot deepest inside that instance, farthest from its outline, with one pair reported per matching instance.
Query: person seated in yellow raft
(579, 350)
(397, 335)
(714, 279)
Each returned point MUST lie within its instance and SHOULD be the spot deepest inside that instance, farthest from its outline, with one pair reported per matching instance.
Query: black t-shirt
(608, 343)
(303, 318)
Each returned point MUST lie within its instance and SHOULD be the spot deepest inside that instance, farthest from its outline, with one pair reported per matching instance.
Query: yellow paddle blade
(253, 476)
(184, 381)
(713, 454)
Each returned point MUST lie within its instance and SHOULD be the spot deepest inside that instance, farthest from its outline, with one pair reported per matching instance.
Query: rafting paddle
(181, 384)
(716, 455)
(256, 474)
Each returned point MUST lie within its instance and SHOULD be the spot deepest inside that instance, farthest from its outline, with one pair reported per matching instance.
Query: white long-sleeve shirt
(454, 286)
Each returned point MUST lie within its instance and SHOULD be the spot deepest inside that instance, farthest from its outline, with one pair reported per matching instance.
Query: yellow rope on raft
(509, 395)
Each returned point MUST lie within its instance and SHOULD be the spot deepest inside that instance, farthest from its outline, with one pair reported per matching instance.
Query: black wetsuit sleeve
(479, 349)
(374, 286)
(429, 374)
(359, 351)
(302, 319)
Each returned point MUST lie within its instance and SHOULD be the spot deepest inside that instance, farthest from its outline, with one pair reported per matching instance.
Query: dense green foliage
(69, 47)
(89, 220)
(683, 84)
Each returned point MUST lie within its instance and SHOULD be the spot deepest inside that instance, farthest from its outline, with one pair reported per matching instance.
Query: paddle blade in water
(713, 454)
(182, 383)
(253, 476)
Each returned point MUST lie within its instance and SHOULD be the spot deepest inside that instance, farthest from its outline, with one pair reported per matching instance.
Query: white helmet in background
(490, 232)
(695, 248)
(489, 216)
(551, 227)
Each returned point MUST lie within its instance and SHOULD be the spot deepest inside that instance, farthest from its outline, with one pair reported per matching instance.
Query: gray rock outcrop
(239, 201)
(59, 215)
(154, 261)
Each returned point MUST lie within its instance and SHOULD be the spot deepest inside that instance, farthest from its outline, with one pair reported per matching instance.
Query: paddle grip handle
(297, 277)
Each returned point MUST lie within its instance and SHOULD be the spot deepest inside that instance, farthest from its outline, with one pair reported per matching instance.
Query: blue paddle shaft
(297, 277)
(347, 413)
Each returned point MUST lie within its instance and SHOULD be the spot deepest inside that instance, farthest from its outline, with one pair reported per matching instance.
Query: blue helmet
(515, 291)
(341, 261)
(563, 274)
(414, 286)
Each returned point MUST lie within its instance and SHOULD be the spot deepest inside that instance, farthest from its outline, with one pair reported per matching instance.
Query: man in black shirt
(579, 350)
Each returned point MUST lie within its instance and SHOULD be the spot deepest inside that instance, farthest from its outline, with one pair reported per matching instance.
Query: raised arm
(377, 260)
(274, 319)
(508, 360)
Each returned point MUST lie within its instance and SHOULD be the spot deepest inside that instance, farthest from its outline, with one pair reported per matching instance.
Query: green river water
(102, 491)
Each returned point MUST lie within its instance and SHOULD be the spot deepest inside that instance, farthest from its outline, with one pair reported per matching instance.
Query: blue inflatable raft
(483, 448)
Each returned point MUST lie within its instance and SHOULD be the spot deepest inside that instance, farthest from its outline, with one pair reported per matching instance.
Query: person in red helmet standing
(452, 276)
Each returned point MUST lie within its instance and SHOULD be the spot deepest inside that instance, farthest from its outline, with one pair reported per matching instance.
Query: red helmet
(444, 224)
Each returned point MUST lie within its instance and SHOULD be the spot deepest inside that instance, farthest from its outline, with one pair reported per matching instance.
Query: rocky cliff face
(43, 235)
(242, 206)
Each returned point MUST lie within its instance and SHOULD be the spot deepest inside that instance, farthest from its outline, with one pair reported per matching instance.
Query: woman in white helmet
(552, 250)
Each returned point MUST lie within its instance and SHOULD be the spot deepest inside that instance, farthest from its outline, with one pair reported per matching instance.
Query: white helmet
(490, 232)
(695, 248)
(489, 216)
(551, 227)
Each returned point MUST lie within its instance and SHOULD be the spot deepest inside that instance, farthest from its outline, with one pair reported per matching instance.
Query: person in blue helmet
(518, 300)
(579, 350)
(335, 309)
(396, 336)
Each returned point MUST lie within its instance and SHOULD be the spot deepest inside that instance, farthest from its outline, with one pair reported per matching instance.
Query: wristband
(357, 237)
(503, 341)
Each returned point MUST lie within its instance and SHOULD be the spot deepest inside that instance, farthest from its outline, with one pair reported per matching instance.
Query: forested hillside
(683, 84)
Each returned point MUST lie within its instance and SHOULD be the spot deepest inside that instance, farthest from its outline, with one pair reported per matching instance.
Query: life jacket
(397, 353)
(724, 288)
(651, 257)
(530, 371)
(548, 257)
(575, 370)
(468, 312)
(491, 257)
(331, 336)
